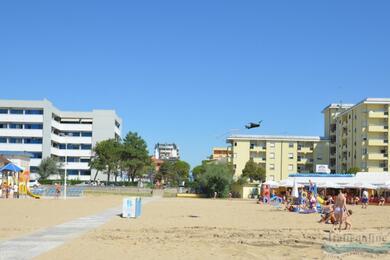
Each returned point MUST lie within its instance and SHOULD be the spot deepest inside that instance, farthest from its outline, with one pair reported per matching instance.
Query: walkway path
(41, 241)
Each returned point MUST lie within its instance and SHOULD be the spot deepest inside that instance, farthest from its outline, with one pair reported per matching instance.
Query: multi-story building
(279, 155)
(166, 152)
(42, 130)
(330, 114)
(362, 135)
(221, 153)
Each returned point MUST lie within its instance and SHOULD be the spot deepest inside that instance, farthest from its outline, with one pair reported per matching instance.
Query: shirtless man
(340, 207)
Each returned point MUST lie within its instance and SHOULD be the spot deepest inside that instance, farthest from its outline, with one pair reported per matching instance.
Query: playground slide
(29, 193)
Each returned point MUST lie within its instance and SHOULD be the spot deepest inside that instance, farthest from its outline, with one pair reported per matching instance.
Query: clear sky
(189, 71)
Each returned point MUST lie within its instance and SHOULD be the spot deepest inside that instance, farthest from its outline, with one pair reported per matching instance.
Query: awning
(11, 167)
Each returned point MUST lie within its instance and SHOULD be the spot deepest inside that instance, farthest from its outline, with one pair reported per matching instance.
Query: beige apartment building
(359, 135)
(279, 155)
(330, 114)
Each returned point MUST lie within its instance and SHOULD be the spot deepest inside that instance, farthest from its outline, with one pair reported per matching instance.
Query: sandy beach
(194, 229)
(23, 216)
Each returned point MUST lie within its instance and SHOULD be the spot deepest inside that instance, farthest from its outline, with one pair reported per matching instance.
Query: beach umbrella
(272, 184)
(295, 189)
(11, 167)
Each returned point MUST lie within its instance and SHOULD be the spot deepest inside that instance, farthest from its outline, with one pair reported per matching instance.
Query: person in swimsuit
(340, 207)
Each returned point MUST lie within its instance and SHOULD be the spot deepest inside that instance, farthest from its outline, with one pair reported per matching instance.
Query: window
(34, 112)
(33, 140)
(15, 140)
(73, 159)
(86, 147)
(364, 151)
(117, 124)
(62, 146)
(36, 155)
(291, 145)
(290, 156)
(16, 126)
(3, 125)
(72, 172)
(16, 111)
(290, 167)
(3, 111)
(33, 126)
(86, 134)
(73, 147)
(72, 133)
(85, 172)
(272, 145)
(272, 166)
(272, 155)
(3, 140)
(85, 160)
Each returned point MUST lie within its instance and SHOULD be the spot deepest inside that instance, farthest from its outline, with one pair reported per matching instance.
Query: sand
(218, 229)
(22, 216)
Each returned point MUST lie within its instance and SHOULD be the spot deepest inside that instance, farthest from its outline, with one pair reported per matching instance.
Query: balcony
(71, 127)
(71, 153)
(71, 139)
(378, 142)
(378, 114)
(377, 156)
(21, 132)
(303, 149)
(259, 160)
(257, 148)
(378, 128)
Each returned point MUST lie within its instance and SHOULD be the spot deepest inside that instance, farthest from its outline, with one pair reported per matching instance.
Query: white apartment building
(41, 130)
(166, 152)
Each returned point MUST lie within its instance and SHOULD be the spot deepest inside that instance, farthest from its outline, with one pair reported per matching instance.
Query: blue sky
(189, 71)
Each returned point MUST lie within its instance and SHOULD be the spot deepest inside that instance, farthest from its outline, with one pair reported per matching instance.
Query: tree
(354, 170)
(174, 172)
(198, 171)
(216, 178)
(49, 166)
(134, 155)
(181, 171)
(253, 171)
(166, 171)
(98, 164)
(107, 157)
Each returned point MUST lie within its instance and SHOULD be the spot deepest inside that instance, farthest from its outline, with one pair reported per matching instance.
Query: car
(33, 184)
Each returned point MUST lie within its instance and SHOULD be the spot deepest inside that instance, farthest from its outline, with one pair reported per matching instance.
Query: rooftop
(368, 101)
(338, 106)
(275, 138)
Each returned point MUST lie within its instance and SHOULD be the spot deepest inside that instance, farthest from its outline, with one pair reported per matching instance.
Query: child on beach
(347, 220)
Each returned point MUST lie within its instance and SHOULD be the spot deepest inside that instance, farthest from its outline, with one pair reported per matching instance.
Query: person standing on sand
(340, 208)
(58, 190)
(364, 199)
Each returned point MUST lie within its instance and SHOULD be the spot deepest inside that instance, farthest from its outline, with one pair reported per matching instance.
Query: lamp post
(65, 164)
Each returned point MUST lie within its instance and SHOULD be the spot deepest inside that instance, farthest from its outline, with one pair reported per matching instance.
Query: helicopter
(253, 125)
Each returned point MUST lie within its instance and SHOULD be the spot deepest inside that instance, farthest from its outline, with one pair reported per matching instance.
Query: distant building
(221, 154)
(279, 155)
(41, 130)
(166, 152)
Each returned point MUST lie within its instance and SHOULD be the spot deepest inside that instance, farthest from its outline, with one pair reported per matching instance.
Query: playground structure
(13, 175)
